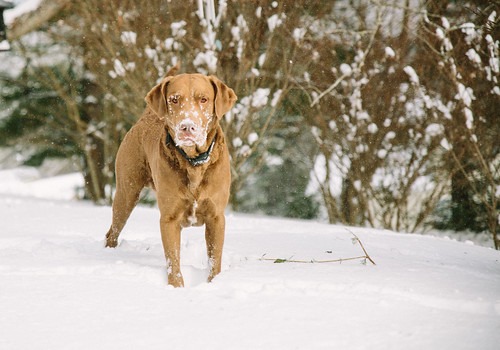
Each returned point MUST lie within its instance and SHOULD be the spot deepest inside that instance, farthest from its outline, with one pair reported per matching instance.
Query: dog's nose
(188, 126)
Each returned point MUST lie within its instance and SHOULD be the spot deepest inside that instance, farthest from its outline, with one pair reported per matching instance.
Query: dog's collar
(200, 159)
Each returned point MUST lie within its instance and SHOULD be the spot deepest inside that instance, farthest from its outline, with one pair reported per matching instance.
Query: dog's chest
(192, 216)
(194, 181)
(196, 213)
(195, 209)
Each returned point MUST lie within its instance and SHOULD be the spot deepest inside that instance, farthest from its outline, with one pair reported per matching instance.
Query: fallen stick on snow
(313, 261)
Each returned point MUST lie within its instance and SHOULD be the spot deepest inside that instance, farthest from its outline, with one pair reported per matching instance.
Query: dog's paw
(110, 243)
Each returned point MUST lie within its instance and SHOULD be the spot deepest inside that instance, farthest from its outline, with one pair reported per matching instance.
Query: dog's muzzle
(189, 133)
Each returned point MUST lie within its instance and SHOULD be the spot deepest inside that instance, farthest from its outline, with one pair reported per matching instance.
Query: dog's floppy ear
(173, 71)
(224, 96)
(156, 98)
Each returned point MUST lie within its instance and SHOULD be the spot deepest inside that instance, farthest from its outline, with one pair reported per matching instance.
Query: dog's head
(190, 104)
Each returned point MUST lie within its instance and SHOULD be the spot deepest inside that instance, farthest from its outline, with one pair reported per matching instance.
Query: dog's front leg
(171, 238)
(214, 237)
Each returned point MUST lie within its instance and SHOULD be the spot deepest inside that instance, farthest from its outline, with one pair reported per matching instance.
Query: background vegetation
(365, 112)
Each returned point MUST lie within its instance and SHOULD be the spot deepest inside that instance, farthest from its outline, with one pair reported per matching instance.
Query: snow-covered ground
(61, 289)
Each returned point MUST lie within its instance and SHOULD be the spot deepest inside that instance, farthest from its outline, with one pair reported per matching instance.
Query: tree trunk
(462, 208)
(346, 201)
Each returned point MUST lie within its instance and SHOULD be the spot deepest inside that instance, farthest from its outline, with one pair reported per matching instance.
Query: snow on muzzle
(189, 133)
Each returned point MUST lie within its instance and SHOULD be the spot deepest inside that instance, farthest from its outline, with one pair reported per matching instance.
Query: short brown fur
(187, 194)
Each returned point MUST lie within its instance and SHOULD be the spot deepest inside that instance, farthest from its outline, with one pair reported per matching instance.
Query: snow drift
(61, 289)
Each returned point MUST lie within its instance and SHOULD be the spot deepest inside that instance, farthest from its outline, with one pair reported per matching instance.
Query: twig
(327, 91)
(362, 246)
(313, 261)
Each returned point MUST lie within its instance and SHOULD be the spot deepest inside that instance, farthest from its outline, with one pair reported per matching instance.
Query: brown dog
(178, 148)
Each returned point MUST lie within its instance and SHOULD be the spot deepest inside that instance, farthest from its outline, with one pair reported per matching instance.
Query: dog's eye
(203, 100)
(174, 99)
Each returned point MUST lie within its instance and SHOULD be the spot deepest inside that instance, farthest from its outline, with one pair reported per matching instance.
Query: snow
(119, 69)
(128, 38)
(434, 129)
(260, 97)
(61, 289)
(468, 28)
(298, 34)
(258, 12)
(412, 75)
(390, 135)
(446, 24)
(252, 138)
(381, 153)
(345, 69)
(469, 118)
(237, 142)
(262, 59)
(20, 8)
(466, 94)
(492, 47)
(473, 56)
(445, 144)
(492, 17)
(275, 21)
(440, 33)
(4, 45)
(170, 44)
(27, 181)
(389, 52)
(372, 128)
(208, 59)
(178, 29)
(276, 97)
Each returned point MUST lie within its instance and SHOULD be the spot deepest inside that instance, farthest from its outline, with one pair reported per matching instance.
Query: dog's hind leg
(123, 204)
(130, 180)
